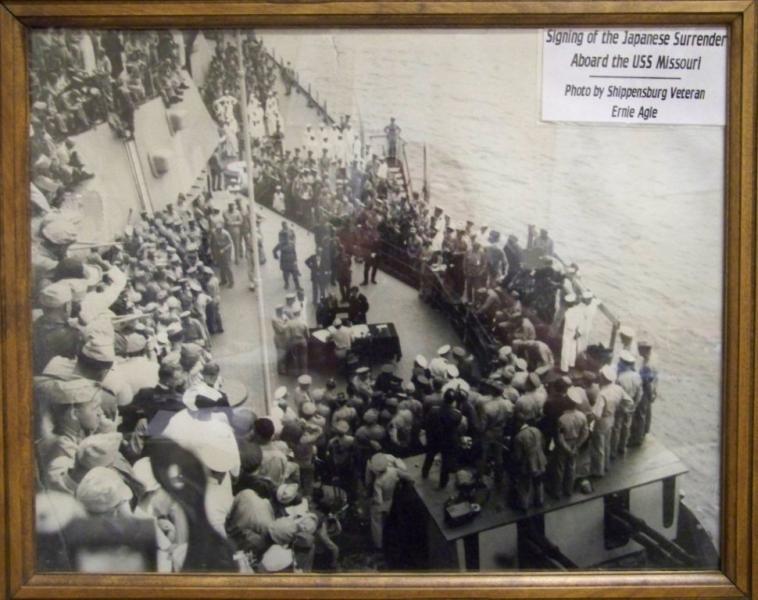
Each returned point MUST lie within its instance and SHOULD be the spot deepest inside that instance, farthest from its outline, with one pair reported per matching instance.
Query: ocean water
(638, 207)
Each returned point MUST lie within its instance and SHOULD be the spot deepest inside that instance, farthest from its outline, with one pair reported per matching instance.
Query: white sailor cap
(627, 357)
(290, 297)
(143, 472)
(287, 492)
(55, 295)
(421, 361)
(587, 295)
(337, 322)
(361, 370)
(452, 371)
(570, 297)
(521, 364)
(101, 490)
(442, 350)
(216, 447)
(575, 395)
(608, 372)
(305, 380)
(504, 352)
(281, 392)
(626, 331)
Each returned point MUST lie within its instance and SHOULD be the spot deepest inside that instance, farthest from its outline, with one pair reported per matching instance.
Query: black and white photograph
(377, 300)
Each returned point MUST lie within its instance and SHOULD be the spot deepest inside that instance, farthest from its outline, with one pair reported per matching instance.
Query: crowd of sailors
(81, 78)
(123, 357)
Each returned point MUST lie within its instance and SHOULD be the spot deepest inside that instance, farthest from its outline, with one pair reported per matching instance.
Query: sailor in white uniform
(590, 305)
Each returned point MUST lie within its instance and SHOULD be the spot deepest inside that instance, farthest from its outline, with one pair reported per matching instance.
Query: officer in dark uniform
(357, 306)
(442, 426)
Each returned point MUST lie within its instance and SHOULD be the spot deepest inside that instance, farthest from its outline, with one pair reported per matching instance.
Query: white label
(671, 75)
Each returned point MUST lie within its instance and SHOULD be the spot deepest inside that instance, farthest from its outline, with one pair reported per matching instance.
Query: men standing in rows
(221, 250)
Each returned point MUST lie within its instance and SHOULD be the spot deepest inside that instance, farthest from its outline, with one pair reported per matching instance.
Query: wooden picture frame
(739, 524)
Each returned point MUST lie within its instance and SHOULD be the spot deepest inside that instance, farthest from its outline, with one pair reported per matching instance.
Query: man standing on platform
(631, 382)
(528, 464)
(233, 222)
(371, 249)
(343, 342)
(357, 306)
(442, 426)
(571, 434)
(497, 264)
(221, 250)
(343, 266)
(286, 254)
(392, 132)
(281, 339)
(643, 416)
(297, 335)
(474, 270)
(514, 256)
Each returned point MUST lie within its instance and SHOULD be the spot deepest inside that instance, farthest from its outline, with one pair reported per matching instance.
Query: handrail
(407, 168)
(300, 87)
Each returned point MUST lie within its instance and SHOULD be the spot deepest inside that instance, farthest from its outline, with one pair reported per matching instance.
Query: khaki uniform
(572, 433)
(529, 462)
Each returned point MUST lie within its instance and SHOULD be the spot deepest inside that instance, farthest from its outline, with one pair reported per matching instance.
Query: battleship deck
(421, 330)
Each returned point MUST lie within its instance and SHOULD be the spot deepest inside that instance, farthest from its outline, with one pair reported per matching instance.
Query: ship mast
(252, 217)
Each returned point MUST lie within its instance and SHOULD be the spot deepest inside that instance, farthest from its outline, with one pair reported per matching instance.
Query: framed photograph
(378, 299)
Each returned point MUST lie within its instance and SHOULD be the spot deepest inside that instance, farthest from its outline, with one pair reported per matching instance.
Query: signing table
(374, 343)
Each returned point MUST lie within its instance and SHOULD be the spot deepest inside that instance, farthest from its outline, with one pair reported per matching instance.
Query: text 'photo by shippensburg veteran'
(377, 300)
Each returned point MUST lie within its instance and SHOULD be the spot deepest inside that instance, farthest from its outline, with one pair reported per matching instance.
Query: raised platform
(641, 466)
